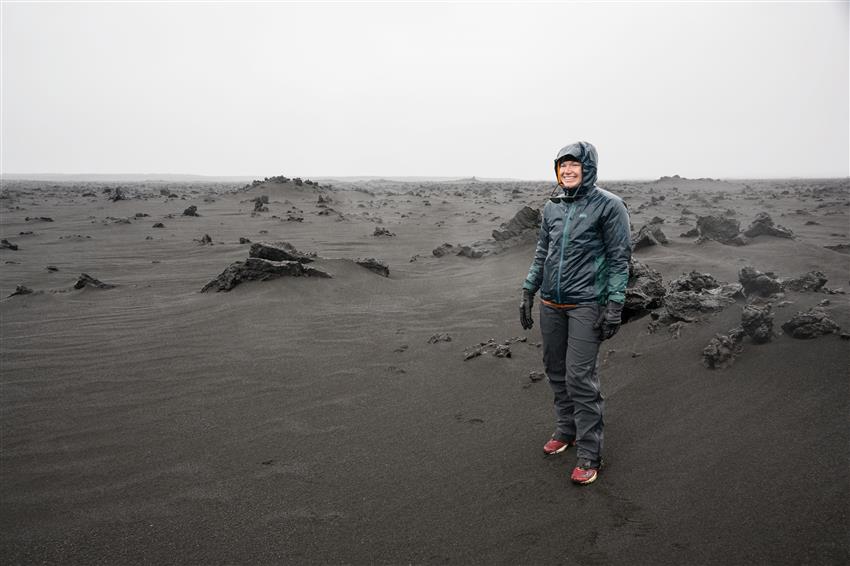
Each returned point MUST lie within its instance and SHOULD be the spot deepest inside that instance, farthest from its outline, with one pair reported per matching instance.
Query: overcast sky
(445, 89)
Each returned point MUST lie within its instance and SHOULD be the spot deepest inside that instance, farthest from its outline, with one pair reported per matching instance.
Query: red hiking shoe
(585, 472)
(556, 446)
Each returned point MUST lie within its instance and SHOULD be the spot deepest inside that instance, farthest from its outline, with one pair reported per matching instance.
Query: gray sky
(487, 89)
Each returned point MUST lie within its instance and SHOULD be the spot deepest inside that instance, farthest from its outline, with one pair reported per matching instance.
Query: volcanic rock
(757, 283)
(443, 249)
(721, 229)
(21, 290)
(649, 235)
(7, 245)
(810, 324)
(375, 265)
(381, 231)
(811, 281)
(645, 290)
(257, 269)
(282, 251)
(439, 337)
(763, 225)
(527, 219)
(86, 280)
(694, 281)
(191, 211)
(757, 322)
(722, 349)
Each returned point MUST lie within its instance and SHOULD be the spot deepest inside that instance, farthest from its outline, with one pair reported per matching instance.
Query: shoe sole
(558, 451)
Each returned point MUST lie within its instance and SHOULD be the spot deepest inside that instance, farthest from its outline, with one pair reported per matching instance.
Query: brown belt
(557, 305)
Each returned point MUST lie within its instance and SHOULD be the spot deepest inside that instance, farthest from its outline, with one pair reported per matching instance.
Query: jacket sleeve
(618, 249)
(535, 272)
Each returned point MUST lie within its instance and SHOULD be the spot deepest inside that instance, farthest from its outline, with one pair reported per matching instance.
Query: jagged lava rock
(757, 322)
(811, 281)
(645, 290)
(757, 283)
(7, 245)
(810, 324)
(443, 249)
(375, 265)
(722, 349)
(191, 211)
(527, 219)
(649, 235)
(257, 269)
(86, 280)
(720, 229)
(282, 251)
(763, 225)
(694, 281)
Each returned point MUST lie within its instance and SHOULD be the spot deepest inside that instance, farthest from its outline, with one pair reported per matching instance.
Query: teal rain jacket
(584, 245)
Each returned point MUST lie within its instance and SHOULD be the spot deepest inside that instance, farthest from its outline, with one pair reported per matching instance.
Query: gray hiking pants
(570, 348)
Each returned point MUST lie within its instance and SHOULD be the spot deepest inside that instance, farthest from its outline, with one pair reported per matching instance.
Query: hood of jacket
(586, 154)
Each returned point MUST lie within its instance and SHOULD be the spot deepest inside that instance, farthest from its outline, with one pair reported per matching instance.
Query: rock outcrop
(86, 280)
(757, 322)
(258, 269)
(722, 349)
(810, 324)
(763, 225)
(757, 283)
(721, 229)
(375, 265)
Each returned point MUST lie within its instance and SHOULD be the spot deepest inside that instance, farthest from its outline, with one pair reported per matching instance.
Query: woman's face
(569, 174)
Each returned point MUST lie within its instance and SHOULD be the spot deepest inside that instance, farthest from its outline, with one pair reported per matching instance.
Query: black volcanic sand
(308, 420)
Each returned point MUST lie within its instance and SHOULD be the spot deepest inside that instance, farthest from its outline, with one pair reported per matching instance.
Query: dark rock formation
(694, 281)
(526, 219)
(688, 305)
(722, 349)
(439, 337)
(281, 251)
(811, 281)
(117, 195)
(7, 245)
(763, 225)
(502, 350)
(443, 249)
(810, 324)
(375, 265)
(21, 290)
(757, 322)
(649, 235)
(243, 240)
(757, 283)
(720, 229)
(645, 290)
(205, 240)
(472, 251)
(191, 211)
(257, 269)
(38, 219)
(381, 231)
(692, 233)
(260, 204)
(87, 280)
(159, 225)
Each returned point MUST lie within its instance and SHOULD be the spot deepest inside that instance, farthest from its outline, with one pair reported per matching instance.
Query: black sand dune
(309, 420)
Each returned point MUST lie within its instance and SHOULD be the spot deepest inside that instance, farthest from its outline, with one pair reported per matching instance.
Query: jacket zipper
(568, 218)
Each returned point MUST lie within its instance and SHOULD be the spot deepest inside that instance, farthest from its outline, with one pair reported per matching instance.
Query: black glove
(525, 309)
(610, 319)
